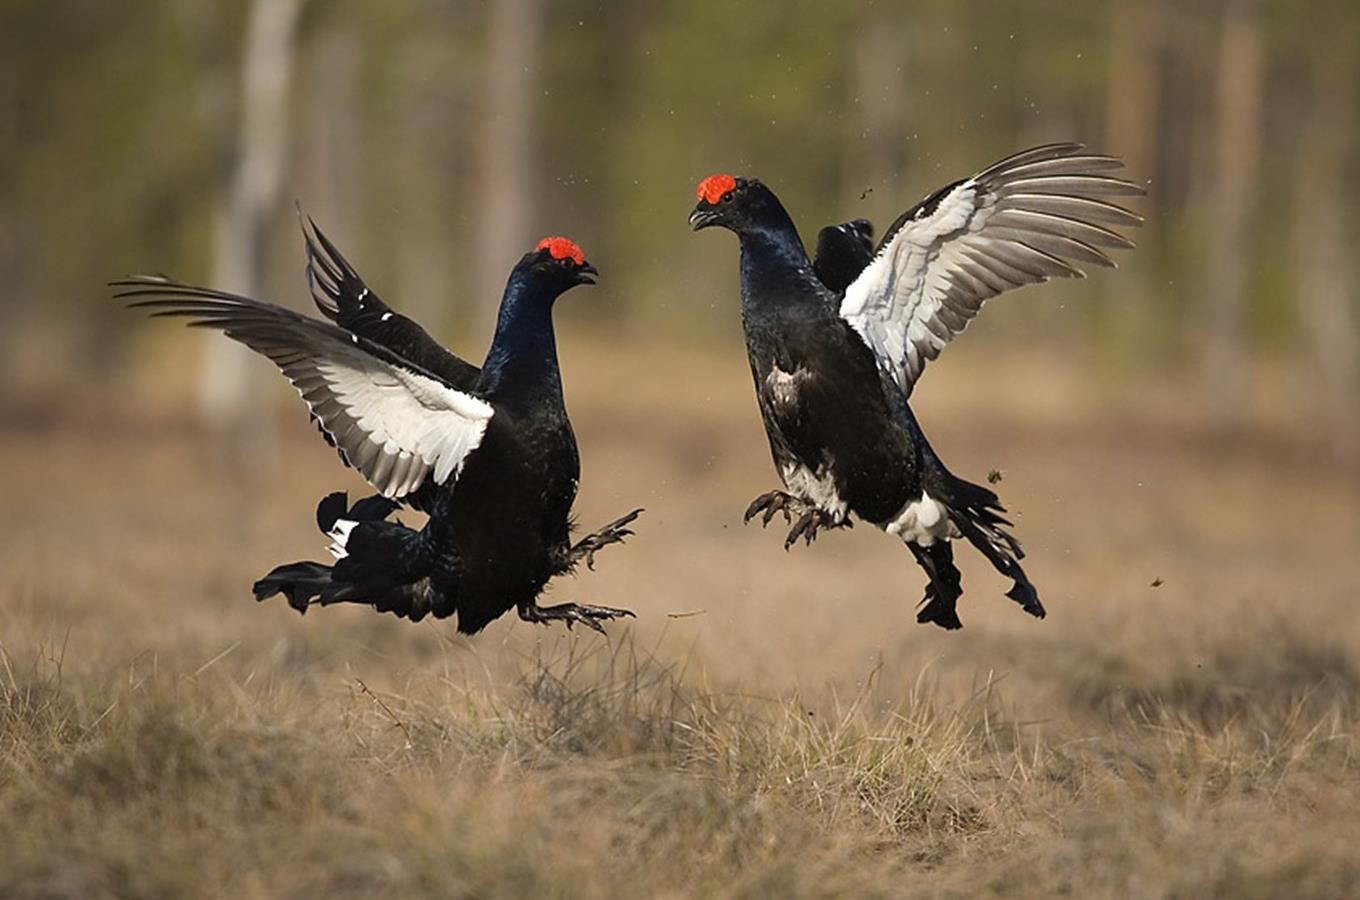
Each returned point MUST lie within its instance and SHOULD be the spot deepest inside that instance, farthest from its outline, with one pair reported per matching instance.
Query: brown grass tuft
(161, 735)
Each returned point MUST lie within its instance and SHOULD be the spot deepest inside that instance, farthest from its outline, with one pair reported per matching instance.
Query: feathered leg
(945, 588)
(810, 518)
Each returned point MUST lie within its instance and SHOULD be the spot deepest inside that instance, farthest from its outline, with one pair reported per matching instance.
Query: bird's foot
(613, 533)
(938, 610)
(572, 613)
(769, 504)
(810, 523)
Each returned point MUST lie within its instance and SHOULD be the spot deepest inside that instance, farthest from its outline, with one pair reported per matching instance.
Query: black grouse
(837, 343)
(487, 452)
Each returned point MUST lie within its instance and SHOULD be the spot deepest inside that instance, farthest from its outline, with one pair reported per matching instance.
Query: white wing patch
(1031, 217)
(395, 426)
(393, 422)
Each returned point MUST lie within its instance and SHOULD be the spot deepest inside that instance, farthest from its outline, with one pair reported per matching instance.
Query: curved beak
(586, 274)
(702, 217)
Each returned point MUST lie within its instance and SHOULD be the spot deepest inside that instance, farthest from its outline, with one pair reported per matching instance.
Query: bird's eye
(726, 197)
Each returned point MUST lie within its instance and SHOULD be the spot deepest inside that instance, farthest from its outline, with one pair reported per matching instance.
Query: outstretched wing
(393, 421)
(842, 253)
(1030, 217)
(342, 296)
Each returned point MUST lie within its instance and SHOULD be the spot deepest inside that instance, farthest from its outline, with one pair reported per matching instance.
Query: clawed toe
(613, 533)
(806, 528)
(811, 522)
(573, 613)
(770, 504)
(810, 518)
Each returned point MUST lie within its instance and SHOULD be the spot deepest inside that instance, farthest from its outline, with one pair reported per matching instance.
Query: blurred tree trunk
(229, 379)
(1323, 241)
(1133, 91)
(329, 168)
(1132, 84)
(508, 174)
(1232, 210)
(425, 114)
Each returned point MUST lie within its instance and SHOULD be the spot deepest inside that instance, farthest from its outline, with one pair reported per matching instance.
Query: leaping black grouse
(487, 452)
(837, 343)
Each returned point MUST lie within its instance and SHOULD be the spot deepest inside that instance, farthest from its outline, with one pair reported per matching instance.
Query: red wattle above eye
(714, 187)
(562, 248)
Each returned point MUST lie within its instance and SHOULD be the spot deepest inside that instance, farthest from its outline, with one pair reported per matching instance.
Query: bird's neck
(774, 265)
(523, 354)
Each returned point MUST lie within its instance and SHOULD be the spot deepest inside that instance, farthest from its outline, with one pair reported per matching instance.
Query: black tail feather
(977, 513)
(299, 582)
(330, 510)
(381, 566)
(334, 507)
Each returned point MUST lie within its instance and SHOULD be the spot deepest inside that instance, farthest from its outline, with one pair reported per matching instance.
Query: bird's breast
(784, 387)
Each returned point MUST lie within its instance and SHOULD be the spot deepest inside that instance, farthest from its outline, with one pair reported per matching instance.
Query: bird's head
(557, 264)
(737, 204)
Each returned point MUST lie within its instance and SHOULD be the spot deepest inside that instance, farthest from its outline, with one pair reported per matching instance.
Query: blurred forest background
(435, 141)
(1173, 438)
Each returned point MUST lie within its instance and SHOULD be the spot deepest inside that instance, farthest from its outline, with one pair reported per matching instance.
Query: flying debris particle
(994, 476)
(1157, 582)
(865, 193)
(686, 615)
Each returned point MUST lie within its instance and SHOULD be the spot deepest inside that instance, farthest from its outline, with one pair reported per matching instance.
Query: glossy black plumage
(487, 451)
(842, 253)
(836, 344)
(341, 295)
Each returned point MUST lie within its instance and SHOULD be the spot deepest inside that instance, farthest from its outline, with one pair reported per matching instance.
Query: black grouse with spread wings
(488, 452)
(837, 343)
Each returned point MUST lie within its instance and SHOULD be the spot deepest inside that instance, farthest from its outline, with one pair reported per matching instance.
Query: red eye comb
(714, 187)
(562, 248)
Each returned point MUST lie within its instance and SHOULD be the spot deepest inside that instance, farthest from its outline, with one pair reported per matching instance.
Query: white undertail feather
(923, 522)
(339, 535)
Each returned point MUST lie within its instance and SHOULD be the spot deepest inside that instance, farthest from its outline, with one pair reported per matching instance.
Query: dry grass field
(1184, 724)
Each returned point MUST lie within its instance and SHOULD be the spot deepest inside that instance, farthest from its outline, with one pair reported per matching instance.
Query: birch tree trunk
(229, 382)
(1237, 155)
(508, 185)
(1133, 90)
(1322, 239)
